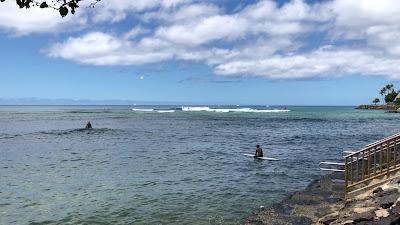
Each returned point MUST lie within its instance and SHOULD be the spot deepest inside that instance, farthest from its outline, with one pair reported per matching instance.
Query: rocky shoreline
(322, 202)
(378, 107)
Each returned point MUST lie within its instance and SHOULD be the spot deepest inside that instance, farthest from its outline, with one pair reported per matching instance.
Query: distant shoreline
(378, 107)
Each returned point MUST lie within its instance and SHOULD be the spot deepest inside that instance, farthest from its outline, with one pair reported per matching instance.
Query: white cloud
(117, 10)
(33, 20)
(322, 62)
(262, 39)
(185, 13)
(204, 31)
(99, 48)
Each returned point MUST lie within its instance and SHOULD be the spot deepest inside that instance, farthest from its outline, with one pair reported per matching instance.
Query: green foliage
(375, 101)
(397, 101)
(388, 93)
(390, 97)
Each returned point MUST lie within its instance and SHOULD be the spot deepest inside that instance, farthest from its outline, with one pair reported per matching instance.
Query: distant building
(397, 99)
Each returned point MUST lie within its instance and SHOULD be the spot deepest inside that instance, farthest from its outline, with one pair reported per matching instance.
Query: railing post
(380, 159)
(374, 161)
(345, 177)
(388, 158)
(395, 153)
(362, 165)
(351, 169)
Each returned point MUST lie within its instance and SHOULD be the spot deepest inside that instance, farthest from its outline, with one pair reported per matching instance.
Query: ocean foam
(166, 111)
(142, 110)
(208, 109)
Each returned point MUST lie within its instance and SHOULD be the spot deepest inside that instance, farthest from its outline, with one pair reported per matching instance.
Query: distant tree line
(62, 6)
(388, 94)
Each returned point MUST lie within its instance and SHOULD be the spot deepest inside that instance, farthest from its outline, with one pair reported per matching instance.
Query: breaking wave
(208, 109)
(165, 111)
(142, 110)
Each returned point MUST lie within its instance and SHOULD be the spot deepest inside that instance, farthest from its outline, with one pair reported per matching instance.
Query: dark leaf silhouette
(63, 6)
(63, 11)
(43, 5)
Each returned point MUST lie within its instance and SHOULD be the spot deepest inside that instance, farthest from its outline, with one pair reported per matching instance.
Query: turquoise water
(174, 167)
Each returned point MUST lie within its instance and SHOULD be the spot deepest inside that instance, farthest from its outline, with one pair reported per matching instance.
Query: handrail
(331, 164)
(382, 140)
(375, 160)
(374, 144)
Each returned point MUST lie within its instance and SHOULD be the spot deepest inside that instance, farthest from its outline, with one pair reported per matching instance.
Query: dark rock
(255, 222)
(392, 219)
(388, 192)
(300, 198)
(361, 217)
(301, 220)
(283, 208)
(386, 199)
(301, 208)
(385, 107)
(377, 190)
(386, 205)
(396, 208)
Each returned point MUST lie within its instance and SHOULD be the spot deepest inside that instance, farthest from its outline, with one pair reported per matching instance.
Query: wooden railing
(376, 160)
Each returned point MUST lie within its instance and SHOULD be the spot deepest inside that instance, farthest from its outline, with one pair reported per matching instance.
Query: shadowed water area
(177, 167)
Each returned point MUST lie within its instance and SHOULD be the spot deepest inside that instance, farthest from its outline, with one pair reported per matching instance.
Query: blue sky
(203, 52)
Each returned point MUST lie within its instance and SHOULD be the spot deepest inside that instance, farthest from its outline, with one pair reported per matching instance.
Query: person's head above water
(257, 146)
(88, 125)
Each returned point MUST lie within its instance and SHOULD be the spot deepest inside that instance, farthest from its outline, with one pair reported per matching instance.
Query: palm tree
(389, 88)
(383, 92)
(375, 101)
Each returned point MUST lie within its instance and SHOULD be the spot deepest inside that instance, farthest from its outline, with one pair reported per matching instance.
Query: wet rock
(305, 199)
(319, 198)
(392, 219)
(363, 217)
(377, 190)
(386, 205)
(284, 209)
(255, 222)
(396, 208)
(387, 198)
(388, 192)
(301, 220)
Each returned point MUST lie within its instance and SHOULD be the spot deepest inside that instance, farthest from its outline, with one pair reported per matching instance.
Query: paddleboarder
(88, 125)
(259, 152)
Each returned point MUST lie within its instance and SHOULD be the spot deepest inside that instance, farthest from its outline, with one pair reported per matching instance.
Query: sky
(294, 52)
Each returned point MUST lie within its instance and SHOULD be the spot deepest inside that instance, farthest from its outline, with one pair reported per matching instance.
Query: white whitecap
(226, 110)
(166, 111)
(142, 110)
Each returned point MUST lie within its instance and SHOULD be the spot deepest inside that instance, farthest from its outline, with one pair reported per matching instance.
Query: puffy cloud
(33, 20)
(99, 48)
(185, 13)
(322, 62)
(204, 31)
(292, 40)
(117, 10)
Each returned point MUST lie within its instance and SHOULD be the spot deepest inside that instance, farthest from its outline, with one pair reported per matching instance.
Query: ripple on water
(179, 168)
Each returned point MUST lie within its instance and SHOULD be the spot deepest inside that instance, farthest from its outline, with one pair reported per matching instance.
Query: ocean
(165, 165)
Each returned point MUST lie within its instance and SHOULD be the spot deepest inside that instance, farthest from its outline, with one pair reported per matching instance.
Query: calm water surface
(165, 168)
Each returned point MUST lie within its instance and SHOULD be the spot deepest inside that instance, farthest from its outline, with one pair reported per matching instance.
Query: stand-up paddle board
(265, 158)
